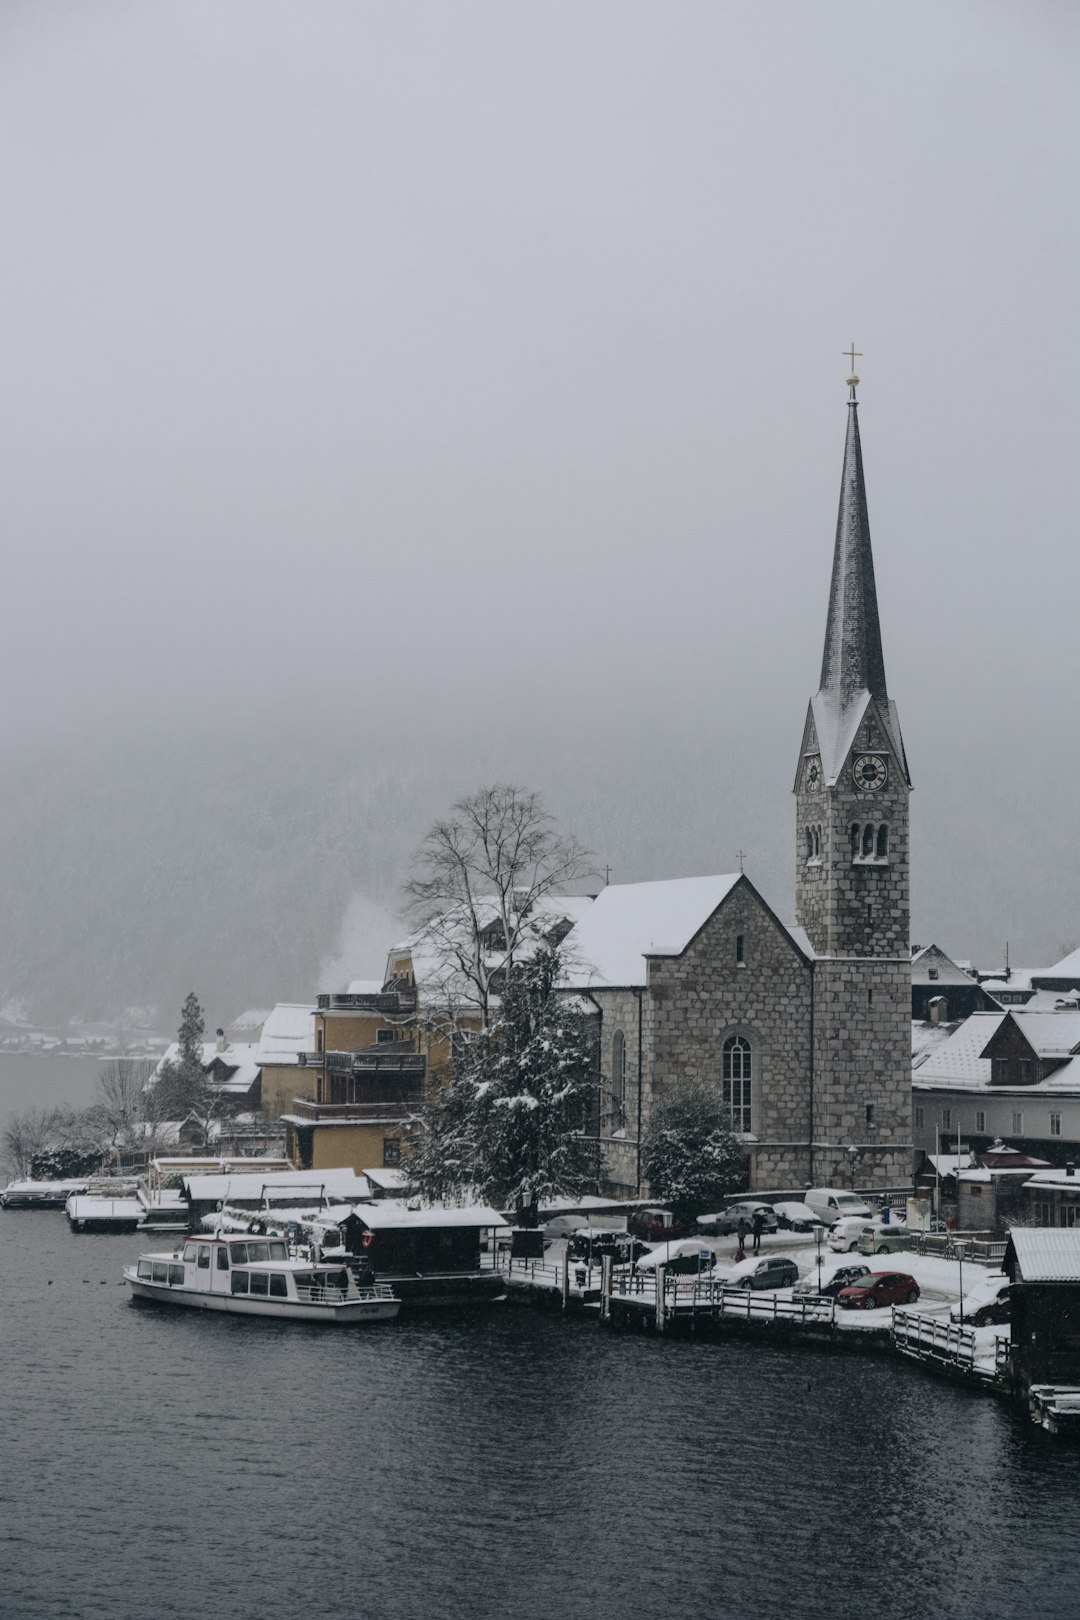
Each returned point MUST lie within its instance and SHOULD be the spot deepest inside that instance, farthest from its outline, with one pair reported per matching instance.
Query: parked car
(759, 1271)
(878, 1289)
(844, 1236)
(687, 1257)
(989, 1301)
(830, 1204)
(890, 1239)
(842, 1277)
(654, 1225)
(796, 1217)
(592, 1243)
(726, 1221)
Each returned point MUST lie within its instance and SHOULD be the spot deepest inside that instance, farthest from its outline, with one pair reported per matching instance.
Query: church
(805, 1026)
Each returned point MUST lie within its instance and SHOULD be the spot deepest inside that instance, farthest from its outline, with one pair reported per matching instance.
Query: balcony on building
(377, 1082)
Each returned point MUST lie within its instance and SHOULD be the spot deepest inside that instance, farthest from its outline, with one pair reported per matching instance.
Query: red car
(878, 1289)
(654, 1225)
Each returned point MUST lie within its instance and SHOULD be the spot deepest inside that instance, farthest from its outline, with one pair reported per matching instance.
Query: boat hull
(347, 1312)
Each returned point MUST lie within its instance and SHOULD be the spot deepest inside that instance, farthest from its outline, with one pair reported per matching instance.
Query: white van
(831, 1204)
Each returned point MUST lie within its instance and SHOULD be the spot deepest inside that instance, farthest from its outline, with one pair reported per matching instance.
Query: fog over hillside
(128, 878)
(397, 399)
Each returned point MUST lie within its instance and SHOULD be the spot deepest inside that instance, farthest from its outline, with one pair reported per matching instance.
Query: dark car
(765, 1271)
(586, 1244)
(726, 1221)
(843, 1277)
(655, 1225)
(878, 1289)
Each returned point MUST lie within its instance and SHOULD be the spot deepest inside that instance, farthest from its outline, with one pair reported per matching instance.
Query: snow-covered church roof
(629, 921)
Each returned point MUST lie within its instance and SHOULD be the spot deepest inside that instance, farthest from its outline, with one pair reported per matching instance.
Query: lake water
(498, 1463)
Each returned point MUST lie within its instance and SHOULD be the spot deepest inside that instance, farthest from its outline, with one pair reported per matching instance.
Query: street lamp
(853, 1155)
(819, 1233)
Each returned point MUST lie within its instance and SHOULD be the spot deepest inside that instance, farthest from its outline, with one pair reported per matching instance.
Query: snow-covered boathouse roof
(278, 1187)
(1043, 1254)
(393, 1214)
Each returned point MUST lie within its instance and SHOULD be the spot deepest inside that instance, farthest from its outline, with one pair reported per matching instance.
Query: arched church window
(868, 840)
(618, 1080)
(738, 1082)
(856, 840)
(882, 843)
(809, 845)
(817, 843)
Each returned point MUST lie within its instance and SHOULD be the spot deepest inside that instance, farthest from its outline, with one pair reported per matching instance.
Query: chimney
(220, 1040)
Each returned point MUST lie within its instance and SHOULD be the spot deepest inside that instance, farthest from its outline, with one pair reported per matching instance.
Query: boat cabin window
(176, 1274)
(259, 1282)
(204, 1257)
(161, 1270)
(278, 1287)
(238, 1252)
(258, 1251)
(191, 1251)
(239, 1282)
(333, 1279)
(279, 1251)
(146, 1269)
(222, 1257)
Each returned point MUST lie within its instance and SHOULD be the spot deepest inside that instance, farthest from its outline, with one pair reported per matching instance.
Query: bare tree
(25, 1136)
(122, 1097)
(482, 891)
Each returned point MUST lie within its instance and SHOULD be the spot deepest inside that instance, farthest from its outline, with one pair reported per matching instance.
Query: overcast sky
(474, 371)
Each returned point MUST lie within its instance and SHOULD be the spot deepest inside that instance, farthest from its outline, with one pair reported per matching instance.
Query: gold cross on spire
(853, 354)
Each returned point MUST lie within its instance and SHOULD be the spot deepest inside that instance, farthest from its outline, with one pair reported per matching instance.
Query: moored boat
(40, 1194)
(256, 1276)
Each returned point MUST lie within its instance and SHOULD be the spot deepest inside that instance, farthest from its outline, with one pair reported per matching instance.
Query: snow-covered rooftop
(629, 921)
(957, 1060)
(278, 1185)
(1067, 968)
(289, 1029)
(1046, 1253)
(932, 966)
(392, 1214)
(435, 978)
(1050, 1034)
(925, 1036)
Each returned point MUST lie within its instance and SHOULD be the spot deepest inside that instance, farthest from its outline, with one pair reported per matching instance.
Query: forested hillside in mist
(265, 868)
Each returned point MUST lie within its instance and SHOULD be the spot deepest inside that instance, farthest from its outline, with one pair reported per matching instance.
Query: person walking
(759, 1227)
(743, 1229)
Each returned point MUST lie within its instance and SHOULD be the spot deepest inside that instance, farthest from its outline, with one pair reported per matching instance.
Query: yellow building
(289, 1030)
(365, 1080)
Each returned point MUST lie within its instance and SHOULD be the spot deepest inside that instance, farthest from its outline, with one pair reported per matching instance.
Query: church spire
(852, 662)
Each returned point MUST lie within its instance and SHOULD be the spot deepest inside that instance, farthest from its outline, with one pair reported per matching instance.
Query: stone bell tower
(852, 871)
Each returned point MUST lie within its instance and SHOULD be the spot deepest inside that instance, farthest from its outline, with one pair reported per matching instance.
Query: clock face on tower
(812, 774)
(870, 772)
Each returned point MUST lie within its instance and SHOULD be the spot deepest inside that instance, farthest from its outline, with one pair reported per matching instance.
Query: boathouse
(1043, 1265)
(427, 1251)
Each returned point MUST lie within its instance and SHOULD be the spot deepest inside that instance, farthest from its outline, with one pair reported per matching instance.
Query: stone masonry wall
(862, 1041)
(618, 1153)
(696, 1000)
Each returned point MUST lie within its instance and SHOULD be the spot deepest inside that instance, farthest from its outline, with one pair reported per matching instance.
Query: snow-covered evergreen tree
(511, 1123)
(689, 1154)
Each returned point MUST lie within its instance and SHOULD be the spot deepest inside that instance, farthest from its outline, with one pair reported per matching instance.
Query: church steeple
(851, 889)
(852, 662)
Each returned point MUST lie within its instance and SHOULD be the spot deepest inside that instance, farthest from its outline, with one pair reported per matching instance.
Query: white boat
(40, 1194)
(255, 1276)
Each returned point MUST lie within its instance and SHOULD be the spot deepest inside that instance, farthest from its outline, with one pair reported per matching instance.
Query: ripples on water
(498, 1463)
